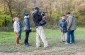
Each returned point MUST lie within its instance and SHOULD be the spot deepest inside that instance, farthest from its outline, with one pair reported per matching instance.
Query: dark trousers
(26, 37)
(20, 32)
(70, 34)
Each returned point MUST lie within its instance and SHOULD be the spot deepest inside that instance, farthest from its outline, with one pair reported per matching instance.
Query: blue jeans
(70, 33)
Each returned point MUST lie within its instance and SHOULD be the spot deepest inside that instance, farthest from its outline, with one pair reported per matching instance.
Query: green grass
(7, 43)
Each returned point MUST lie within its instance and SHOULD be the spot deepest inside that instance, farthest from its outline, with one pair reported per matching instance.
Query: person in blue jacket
(26, 28)
(63, 27)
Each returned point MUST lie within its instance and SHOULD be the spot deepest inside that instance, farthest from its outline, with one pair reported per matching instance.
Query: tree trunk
(10, 9)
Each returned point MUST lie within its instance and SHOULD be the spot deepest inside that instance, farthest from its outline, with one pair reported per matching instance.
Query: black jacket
(37, 17)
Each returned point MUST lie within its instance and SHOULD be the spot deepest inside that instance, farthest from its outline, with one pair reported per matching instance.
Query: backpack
(64, 25)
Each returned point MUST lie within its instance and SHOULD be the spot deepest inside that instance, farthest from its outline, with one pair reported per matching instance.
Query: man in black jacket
(37, 17)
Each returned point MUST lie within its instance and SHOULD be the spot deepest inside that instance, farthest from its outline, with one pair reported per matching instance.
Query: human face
(63, 17)
(67, 15)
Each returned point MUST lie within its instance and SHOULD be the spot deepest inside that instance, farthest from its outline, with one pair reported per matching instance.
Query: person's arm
(69, 21)
(43, 15)
(36, 18)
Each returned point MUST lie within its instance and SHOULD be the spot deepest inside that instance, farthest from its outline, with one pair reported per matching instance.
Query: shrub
(5, 20)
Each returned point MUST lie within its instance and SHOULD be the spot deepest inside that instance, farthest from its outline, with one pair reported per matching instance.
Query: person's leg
(43, 37)
(65, 36)
(68, 37)
(17, 38)
(72, 36)
(37, 37)
(27, 35)
(26, 38)
(62, 37)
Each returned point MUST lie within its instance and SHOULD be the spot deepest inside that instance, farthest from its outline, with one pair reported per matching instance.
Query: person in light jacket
(16, 27)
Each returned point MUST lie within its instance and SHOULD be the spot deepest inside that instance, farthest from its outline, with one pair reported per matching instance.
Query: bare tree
(9, 4)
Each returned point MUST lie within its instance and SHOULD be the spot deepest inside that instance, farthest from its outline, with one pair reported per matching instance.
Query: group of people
(67, 25)
(39, 21)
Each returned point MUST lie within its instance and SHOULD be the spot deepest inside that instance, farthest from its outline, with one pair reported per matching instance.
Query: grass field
(8, 47)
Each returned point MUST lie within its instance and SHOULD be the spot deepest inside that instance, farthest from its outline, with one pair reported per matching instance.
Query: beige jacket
(71, 23)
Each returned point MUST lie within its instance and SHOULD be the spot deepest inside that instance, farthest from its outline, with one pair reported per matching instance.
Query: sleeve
(69, 21)
(35, 19)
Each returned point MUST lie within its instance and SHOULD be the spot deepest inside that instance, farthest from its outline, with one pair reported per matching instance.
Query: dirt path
(52, 51)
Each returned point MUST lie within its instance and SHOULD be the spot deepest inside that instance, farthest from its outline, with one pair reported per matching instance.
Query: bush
(5, 20)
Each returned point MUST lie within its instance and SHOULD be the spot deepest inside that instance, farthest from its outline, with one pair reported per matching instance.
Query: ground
(8, 47)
